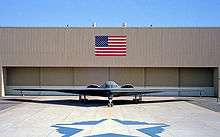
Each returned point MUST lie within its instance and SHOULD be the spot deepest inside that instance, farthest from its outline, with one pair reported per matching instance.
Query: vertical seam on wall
(144, 76)
(39, 76)
(179, 83)
(73, 74)
(161, 44)
(217, 82)
(64, 42)
(108, 73)
(2, 86)
(4, 77)
(218, 79)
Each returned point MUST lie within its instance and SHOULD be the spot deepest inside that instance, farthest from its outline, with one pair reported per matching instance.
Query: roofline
(61, 27)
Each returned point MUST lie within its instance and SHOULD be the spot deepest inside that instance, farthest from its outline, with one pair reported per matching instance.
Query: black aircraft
(109, 89)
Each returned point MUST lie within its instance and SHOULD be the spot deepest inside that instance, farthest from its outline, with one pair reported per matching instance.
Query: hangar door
(86, 76)
(39, 76)
(161, 77)
(134, 76)
(48, 76)
(56, 76)
(81, 76)
(23, 76)
(196, 77)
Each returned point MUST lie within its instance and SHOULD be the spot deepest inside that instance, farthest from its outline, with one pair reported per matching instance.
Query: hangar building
(65, 56)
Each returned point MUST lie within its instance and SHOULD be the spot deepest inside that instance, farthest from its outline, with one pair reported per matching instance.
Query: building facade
(164, 57)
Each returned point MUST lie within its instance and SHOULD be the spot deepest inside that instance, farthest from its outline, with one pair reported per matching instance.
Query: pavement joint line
(20, 120)
(69, 114)
(52, 131)
(31, 115)
(161, 119)
(109, 113)
(91, 129)
(203, 108)
(208, 125)
(11, 107)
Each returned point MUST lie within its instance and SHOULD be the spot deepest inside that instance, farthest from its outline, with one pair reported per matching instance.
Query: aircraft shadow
(91, 102)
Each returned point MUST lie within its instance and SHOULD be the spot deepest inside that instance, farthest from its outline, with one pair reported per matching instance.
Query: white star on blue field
(110, 12)
(112, 128)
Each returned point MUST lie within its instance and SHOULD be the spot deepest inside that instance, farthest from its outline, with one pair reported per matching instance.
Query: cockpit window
(110, 84)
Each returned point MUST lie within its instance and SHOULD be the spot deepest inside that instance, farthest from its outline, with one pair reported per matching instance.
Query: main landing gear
(84, 99)
(137, 98)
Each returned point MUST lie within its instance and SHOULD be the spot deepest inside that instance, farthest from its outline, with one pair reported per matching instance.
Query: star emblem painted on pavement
(111, 127)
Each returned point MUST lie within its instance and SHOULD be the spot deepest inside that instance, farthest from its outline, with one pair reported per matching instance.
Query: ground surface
(65, 116)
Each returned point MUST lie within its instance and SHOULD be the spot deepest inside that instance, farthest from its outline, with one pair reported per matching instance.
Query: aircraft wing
(134, 91)
(149, 90)
(81, 90)
(97, 91)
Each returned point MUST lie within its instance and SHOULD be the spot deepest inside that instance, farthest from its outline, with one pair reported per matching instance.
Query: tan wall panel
(56, 76)
(5, 76)
(218, 88)
(215, 81)
(196, 77)
(74, 47)
(1, 82)
(23, 76)
(1, 78)
(86, 76)
(219, 81)
(134, 76)
(161, 76)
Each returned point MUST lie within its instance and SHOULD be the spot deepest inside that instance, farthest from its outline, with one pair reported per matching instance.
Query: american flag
(110, 45)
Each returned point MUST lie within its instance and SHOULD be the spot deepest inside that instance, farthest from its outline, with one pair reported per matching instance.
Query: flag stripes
(110, 45)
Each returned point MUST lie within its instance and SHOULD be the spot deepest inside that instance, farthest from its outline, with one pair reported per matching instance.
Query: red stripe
(117, 45)
(110, 51)
(122, 48)
(119, 36)
(116, 39)
(122, 39)
(110, 55)
(116, 42)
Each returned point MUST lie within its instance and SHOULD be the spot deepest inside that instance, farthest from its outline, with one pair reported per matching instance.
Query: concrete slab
(4, 103)
(65, 116)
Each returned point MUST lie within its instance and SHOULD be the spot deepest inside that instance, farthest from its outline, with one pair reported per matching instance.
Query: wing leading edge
(97, 91)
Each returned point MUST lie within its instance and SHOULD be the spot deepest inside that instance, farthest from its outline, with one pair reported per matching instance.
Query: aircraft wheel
(110, 104)
(140, 98)
(136, 101)
(85, 100)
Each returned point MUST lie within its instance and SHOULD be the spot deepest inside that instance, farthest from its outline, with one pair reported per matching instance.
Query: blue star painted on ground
(111, 127)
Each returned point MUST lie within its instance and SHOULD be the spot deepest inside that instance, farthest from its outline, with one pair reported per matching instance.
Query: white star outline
(110, 126)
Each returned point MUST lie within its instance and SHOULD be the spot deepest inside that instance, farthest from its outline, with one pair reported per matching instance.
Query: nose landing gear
(110, 101)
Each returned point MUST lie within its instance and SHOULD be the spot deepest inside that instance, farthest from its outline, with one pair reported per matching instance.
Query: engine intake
(93, 86)
(127, 86)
